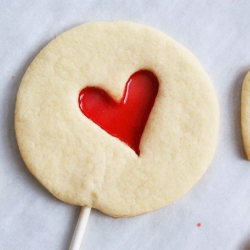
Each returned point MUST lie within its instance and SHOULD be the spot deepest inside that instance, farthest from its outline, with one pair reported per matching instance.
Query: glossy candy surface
(127, 118)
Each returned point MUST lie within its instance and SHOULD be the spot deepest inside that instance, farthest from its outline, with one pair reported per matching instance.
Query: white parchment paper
(218, 34)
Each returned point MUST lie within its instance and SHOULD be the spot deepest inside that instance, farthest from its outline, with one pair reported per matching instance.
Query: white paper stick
(80, 228)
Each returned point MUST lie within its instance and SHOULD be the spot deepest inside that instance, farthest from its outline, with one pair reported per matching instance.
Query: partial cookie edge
(245, 112)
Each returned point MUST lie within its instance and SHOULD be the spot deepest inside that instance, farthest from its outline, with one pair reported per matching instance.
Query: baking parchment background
(218, 33)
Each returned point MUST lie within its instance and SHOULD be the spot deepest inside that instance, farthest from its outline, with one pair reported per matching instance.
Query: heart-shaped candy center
(127, 118)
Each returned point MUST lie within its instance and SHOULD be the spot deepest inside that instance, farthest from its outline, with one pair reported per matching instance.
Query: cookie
(245, 114)
(83, 162)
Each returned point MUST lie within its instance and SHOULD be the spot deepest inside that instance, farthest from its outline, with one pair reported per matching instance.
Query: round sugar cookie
(81, 163)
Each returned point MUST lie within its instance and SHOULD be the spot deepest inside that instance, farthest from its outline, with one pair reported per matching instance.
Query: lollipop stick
(80, 228)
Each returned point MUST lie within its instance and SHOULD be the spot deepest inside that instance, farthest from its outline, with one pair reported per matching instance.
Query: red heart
(127, 118)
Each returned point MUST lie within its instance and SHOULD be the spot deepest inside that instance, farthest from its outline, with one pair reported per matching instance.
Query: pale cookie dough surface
(245, 114)
(80, 163)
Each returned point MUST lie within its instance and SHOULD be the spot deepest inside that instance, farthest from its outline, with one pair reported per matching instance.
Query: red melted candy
(127, 118)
